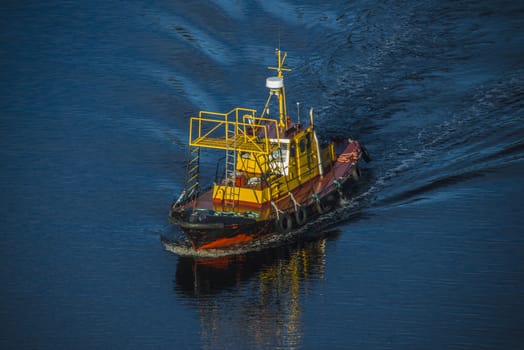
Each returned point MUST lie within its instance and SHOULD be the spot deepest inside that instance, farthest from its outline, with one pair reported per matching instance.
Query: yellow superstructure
(265, 158)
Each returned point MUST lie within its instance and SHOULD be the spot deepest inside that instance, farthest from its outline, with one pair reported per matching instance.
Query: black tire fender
(301, 215)
(355, 173)
(284, 223)
(320, 208)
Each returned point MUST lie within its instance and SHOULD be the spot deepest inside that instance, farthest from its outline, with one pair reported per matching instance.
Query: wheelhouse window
(302, 145)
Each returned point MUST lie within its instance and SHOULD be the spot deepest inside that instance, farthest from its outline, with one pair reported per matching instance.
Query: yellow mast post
(280, 91)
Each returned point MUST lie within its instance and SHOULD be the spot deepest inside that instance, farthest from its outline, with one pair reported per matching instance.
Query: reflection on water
(253, 297)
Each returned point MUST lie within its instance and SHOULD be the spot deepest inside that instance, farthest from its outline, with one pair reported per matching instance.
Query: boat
(274, 175)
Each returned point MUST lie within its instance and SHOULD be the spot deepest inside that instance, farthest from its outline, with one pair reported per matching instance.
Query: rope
(278, 211)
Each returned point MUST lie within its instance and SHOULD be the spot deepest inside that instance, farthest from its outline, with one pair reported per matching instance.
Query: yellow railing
(238, 129)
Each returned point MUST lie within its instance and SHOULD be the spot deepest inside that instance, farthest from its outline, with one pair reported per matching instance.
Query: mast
(276, 87)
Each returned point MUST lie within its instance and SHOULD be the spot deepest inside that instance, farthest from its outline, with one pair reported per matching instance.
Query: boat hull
(209, 229)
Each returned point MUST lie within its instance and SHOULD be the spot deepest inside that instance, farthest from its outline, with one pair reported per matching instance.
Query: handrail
(260, 147)
(210, 131)
(234, 110)
(221, 123)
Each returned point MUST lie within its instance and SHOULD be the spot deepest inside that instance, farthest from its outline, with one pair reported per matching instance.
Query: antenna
(298, 112)
(276, 86)
(279, 35)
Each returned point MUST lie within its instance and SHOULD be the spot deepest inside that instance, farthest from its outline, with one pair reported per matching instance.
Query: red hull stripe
(222, 242)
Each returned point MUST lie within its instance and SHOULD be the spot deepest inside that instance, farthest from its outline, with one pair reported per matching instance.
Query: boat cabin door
(306, 156)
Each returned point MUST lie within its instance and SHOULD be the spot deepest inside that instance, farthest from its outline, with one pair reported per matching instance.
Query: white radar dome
(274, 83)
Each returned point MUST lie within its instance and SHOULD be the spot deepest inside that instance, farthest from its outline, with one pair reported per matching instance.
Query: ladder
(191, 183)
(231, 162)
(232, 195)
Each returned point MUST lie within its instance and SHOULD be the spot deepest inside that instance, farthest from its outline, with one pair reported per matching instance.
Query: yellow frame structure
(226, 131)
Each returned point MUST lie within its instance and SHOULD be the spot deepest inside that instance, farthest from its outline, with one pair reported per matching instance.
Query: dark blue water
(94, 105)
